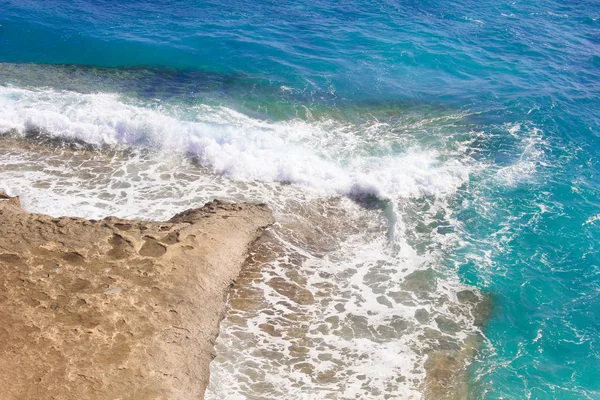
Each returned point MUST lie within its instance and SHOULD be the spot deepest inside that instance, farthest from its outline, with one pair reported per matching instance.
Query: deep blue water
(527, 75)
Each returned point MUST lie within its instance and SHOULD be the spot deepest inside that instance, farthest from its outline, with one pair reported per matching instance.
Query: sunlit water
(431, 168)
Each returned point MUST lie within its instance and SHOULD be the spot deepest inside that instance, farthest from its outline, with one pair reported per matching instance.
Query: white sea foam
(531, 148)
(233, 144)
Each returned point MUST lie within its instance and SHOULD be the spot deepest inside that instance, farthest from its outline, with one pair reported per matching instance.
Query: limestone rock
(116, 309)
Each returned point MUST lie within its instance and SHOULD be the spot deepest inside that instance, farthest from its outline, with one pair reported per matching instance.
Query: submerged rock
(116, 309)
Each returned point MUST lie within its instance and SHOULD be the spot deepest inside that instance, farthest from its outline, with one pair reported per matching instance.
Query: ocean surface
(432, 165)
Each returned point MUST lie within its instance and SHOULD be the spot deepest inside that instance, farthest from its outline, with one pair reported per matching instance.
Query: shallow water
(431, 167)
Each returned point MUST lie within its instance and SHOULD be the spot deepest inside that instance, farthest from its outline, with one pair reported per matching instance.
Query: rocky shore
(116, 309)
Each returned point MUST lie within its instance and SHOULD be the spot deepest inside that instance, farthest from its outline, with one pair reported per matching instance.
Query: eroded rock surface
(116, 309)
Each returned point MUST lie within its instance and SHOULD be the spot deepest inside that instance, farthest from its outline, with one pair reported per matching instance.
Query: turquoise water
(491, 108)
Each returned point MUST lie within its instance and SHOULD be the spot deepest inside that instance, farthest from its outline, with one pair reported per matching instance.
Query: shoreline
(117, 308)
(446, 371)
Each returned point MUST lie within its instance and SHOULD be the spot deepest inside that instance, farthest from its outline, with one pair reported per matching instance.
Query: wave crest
(235, 145)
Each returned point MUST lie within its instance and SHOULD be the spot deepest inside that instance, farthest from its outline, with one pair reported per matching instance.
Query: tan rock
(116, 309)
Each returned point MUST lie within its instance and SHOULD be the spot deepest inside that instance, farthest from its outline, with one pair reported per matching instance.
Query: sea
(432, 167)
